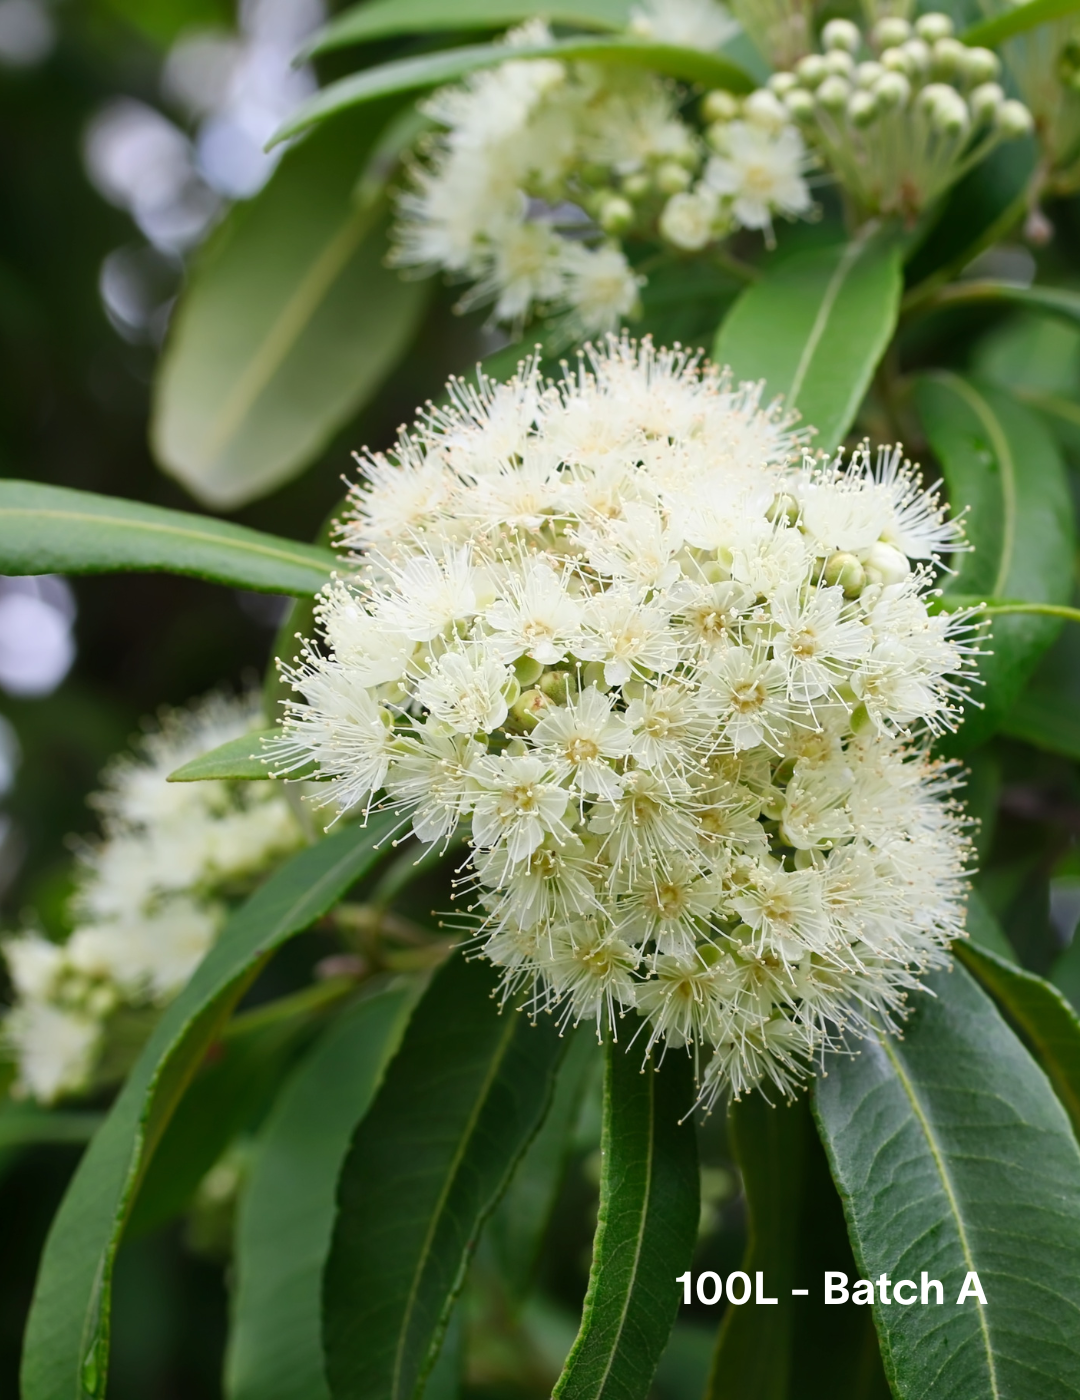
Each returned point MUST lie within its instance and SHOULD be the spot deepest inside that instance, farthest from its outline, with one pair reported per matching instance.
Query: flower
(761, 172)
(149, 895)
(684, 722)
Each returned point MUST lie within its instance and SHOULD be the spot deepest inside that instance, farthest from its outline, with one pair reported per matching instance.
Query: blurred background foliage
(116, 167)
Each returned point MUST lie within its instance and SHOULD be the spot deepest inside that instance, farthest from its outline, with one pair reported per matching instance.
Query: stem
(730, 263)
(1040, 609)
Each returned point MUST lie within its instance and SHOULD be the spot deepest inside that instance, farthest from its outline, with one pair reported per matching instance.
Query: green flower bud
(981, 65)
(889, 32)
(782, 83)
(841, 34)
(811, 70)
(615, 214)
(637, 185)
(934, 26)
(671, 178)
(527, 711)
(985, 101)
(834, 93)
(784, 507)
(1014, 119)
(867, 74)
(885, 564)
(918, 53)
(527, 670)
(896, 61)
(839, 61)
(862, 109)
(556, 686)
(800, 104)
(719, 106)
(892, 91)
(765, 109)
(843, 570)
(948, 57)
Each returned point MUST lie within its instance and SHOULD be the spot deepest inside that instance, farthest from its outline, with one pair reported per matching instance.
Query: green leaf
(753, 1350)
(286, 1211)
(449, 65)
(1000, 463)
(230, 1094)
(51, 529)
(645, 1233)
(239, 760)
(516, 1228)
(290, 321)
(382, 19)
(991, 32)
(67, 1338)
(984, 930)
(459, 1104)
(1066, 974)
(953, 1155)
(814, 328)
(1043, 1017)
(1048, 301)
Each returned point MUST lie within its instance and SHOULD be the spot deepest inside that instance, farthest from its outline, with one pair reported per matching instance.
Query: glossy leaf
(289, 323)
(1042, 1015)
(645, 1233)
(450, 65)
(814, 327)
(240, 760)
(460, 1102)
(382, 19)
(953, 1155)
(516, 1228)
(1049, 301)
(1017, 20)
(287, 1208)
(51, 529)
(753, 1350)
(1000, 463)
(67, 1339)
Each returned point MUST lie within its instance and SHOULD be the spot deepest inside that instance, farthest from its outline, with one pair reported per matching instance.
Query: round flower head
(149, 896)
(672, 679)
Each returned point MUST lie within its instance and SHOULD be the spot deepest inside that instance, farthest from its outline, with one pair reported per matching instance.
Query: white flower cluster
(149, 897)
(899, 127)
(667, 673)
(542, 171)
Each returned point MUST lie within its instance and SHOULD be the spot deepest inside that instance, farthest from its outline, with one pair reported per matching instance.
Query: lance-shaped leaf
(1018, 19)
(240, 760)
(1048, 301)
(382, 19)
(290, 321)
(449, 65)
(1041, 1014)
(460, 1102)
(1000, 463)
(814, 327)
(51, 529)
(649, 1206)
(287, 1209)
(67, 1339)
(953, 1156)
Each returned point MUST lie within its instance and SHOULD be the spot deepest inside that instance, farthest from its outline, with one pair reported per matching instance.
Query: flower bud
(637, 185)
(839, 61)
(843, 570)
(948, 57)
(892, 90)
(896, 61)
(556, 686)
(782, 83)
(719, 106)
(784, 507)
(984, 102)
(688, 219)
(867, 74)
(862, 109)
(841, 34)
(615, 214)
(800, 104)
(885, 564)
(765, 109)
(889, 32)
(527, 670)
(811, 70)
(949, 113)
(918, 52)
(834, 93)
(1014, 119)
(527, 711)
(934, 26)
(672, 178)
(981, 66)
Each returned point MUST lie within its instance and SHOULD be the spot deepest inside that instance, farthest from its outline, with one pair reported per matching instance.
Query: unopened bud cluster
(667, 676)
(1044, 63)
(900, 114)
(149, 900)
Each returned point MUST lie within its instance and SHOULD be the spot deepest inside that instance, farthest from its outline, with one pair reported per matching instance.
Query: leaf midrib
(451, 1176)
(938, 1157)
(850, 257)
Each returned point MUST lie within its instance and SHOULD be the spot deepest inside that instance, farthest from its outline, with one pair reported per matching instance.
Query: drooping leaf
(649, 1205)
(1001, 464)
(382, 19)
(953, 1156)
(517, 1226)
(241, 760)
(286, 1212)
(290, 320)
(753, 1350)
(450, 65)
(1048, 301)
(1038, 1010)
(67, 1339)
(814, 328)
(51, 529)
(991, 32)
(230, 1094)
(459, 1104)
